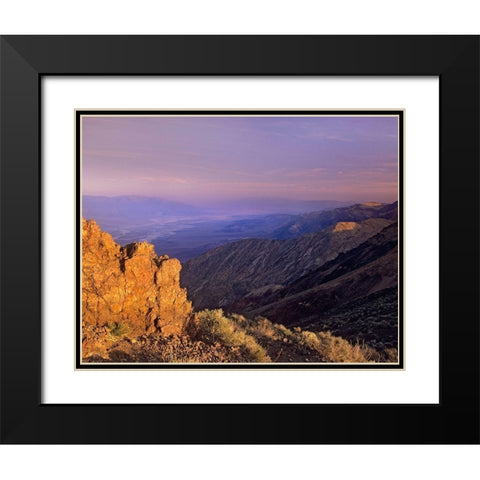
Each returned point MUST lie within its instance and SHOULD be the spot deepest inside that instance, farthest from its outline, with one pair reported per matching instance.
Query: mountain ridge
(230, 272)
(315, 221)
(320, 298)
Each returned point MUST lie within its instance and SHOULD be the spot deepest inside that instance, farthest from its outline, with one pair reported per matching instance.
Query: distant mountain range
(184, 231)
(132, 210)
(265, 205)
(343, 276)
(315, 221)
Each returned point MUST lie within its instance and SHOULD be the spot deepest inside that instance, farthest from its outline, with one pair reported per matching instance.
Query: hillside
(214, 337)
(354, 295)
(315, 221)
(251, 267)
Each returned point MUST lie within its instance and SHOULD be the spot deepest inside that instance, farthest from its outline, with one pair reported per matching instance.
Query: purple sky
(196, 160)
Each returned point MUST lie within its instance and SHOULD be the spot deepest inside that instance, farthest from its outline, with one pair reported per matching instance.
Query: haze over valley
(185, 231)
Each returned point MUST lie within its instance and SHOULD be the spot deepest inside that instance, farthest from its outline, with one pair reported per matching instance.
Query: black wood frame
(26, 59)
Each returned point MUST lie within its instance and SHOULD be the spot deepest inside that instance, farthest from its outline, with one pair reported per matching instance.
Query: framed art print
(258, 268)
(204, 233)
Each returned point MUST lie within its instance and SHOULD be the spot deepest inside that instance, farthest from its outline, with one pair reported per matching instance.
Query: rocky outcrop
(127, 290)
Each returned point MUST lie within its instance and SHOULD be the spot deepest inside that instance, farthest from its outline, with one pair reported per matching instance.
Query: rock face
(129, 289)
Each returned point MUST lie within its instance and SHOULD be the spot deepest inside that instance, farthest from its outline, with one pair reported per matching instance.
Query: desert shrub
(284, 330)
(260, 338)
(265, 331)
(311, 341)
(239, 319)
(265, 328)
(339, 350)
(211, 326)
(388, 355)
(119, 329)
(332, 349)
(391, 355)
(335, 349)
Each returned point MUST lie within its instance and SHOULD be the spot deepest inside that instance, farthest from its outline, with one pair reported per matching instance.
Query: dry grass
(215, 337)
(330, 348)
(333, 349)
(211, 326)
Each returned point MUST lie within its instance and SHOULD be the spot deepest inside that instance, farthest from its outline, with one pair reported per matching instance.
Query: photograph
(247, 239)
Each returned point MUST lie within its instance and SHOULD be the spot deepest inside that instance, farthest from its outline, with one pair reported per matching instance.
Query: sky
(197, 160)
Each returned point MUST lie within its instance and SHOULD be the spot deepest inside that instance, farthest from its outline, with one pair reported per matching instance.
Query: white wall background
(240, 17)
(246, 16)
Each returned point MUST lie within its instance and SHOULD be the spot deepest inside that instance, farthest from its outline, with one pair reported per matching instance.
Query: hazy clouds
(200, 159)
